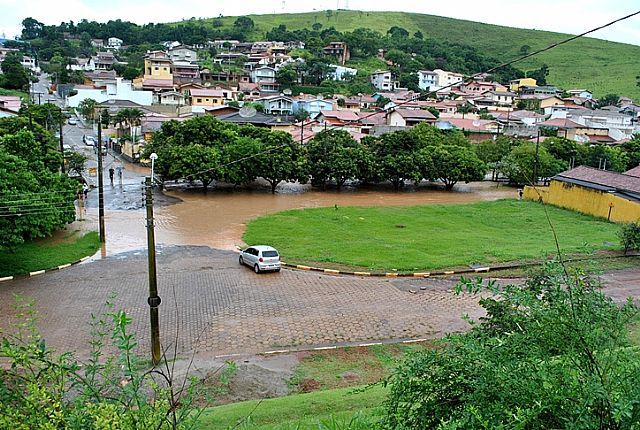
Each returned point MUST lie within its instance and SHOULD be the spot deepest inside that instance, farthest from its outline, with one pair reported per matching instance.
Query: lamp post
(153, 158)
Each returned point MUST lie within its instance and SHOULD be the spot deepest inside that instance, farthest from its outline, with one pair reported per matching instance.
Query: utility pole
(100, 186)
(61, 142)
(535, 163)
(153, 300)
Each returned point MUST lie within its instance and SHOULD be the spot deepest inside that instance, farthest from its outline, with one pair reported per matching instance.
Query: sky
(566, 16)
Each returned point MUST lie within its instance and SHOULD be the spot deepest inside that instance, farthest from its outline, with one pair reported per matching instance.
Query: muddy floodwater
(218, 219)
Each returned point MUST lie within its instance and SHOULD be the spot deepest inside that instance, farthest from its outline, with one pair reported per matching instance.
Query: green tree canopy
(14, 74)
(452, 164)
(518, 166)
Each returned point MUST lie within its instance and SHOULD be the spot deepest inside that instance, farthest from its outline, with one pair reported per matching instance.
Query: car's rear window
(269, 253)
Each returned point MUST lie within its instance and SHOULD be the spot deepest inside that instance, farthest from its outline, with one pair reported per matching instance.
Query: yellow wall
(585, 200)
(163, 72)
(530, 82)
(206, 101)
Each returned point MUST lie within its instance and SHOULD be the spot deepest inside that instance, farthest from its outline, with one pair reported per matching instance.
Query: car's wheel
(240, 260)
(256, 268)
(277, 270)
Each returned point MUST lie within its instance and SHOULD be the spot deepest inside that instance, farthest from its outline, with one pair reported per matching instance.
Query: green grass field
(42, 254)
(428, 237)
(601, 66)
(6, 92)
(301, 411)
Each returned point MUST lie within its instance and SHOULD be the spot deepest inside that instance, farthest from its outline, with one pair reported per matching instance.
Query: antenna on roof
(247, 111)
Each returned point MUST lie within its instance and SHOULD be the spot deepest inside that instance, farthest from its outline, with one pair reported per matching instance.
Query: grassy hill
(601, 66)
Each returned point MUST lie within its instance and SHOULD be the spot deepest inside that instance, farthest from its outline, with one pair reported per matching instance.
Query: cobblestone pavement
(221, 308)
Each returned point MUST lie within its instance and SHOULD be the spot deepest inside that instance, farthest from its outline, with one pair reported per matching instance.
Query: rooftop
(602, 180)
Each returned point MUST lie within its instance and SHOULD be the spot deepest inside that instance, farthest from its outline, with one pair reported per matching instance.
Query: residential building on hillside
(97, 43)
(427, 80)
(339, 50)
(10, 103)
(264, 73)
(114, 43)
(184, 71)
(279, 104)
(103, 61)
(340, 73)
(118, 90)
(5, 51)
(383, 80)
(516, 84)
(478, 87)
(583, 94)
(448, 78)
(183, 53)
(157, 65)
(409, 117)
(209, 97)
(259, 119)
(29, 63)
(526, 90)
(311, 104)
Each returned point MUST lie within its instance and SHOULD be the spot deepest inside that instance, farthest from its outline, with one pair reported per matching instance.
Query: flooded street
(217, 219)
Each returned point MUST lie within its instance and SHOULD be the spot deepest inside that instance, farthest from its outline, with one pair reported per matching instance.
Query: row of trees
(205, 149)
(35, 199)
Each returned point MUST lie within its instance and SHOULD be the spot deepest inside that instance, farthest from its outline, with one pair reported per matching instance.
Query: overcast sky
(567, 16)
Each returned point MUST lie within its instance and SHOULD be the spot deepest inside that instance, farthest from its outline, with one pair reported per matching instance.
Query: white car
(261, 258)
(89, 140)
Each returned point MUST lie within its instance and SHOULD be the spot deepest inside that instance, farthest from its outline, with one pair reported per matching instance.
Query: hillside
(601, 66)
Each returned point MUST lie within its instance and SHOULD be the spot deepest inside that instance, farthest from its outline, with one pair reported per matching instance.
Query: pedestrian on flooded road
(111, 172)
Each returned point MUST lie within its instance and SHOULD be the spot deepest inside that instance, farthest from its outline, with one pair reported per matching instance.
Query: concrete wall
(586, 200)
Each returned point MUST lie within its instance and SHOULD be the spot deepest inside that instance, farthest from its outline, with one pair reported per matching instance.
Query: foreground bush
(551, 354)
(42, 390)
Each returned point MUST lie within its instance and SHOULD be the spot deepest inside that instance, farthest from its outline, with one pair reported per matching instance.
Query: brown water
(218, 219)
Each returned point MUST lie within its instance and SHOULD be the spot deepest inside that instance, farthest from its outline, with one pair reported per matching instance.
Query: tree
(15, 76)
(287, 76)
(31, 29)
(554, 353)
(632, 149)
(34, 200)
(87, 108)
(492, 152)
(609, 100)
(525, 49)
(397, 158)
(540, 75)
(244, 23)
(280, 159)
(518, 166)
(452, 164)
(464, 108)
(398, 32)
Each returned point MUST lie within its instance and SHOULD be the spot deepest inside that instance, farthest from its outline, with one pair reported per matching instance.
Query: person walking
(111, 172)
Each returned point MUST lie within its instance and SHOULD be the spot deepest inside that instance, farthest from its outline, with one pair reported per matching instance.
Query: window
(269, 253)
(156, 68)
(198, 100)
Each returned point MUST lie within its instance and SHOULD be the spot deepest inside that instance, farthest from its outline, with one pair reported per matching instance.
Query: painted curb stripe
(323, 348)
(422, 275)
(391, 275)
(362, 345)
(37, 272)
(303, 267)
(414, 340)
(85, 258)
(481, 269)
(64, 266)
(362, 273)
(449, 272)
(6, 278)
(331, 271)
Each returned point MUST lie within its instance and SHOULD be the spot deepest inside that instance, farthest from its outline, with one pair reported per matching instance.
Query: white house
(447, 78)
(341, 73)
(583, 94)
(427, 80)
(29, 64)
(114, 43)
(409, 117)
(264, 73)
(311, 104)
(383, 80)
(183, 53)
(120, 90)
(280, 104)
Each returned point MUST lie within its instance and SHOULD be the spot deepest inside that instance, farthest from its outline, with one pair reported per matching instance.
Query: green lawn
(6, 92)
(601, 66)
(300, 411)
(428, 237)
(43, 254)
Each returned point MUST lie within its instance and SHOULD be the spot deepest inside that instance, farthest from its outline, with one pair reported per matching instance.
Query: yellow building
(210, 96)
(157, 65)
(609, 195)
(523, 82)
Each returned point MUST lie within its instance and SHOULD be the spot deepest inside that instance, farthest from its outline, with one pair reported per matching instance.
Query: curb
(483, 269)
(43, 271)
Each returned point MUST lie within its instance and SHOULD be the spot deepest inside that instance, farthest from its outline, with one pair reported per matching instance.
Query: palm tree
(128, 118)
(87, 108)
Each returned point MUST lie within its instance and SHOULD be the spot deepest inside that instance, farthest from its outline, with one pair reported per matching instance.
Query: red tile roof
(603, 178)
(342, 115)
(562, 123)
(415, 114)
(633, 172)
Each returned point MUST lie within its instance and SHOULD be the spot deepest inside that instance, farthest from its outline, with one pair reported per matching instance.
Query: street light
(153, 158)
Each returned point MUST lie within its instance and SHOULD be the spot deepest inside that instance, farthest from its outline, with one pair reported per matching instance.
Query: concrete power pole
(153, 300)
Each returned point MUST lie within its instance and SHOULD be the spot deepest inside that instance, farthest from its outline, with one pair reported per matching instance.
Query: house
(427, 80)
(547, 90)
(264, 73)
(340, 73)
(157, 65)
(280, 104)
(339, 50)
(496, 98)
(519, 117)
(573, 130)
(97, 43)
(478, 87)
(610, 195)
(446, 79)
(383, 80)
(356, 103)
(29, 63)
(538, 101)
(516, 84)
(5, 51)
(171, 98)
(311, 104)
(184, 71)
(259, 119)
(114, 43)
(409, 117)
(220, 110)
(118, 90)
(10, 103)
(183, 53)
(209, 97)
(583, 94)
(346, 119)
(103, 61)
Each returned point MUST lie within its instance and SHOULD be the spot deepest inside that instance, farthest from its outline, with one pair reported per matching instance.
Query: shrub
(629, 235)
